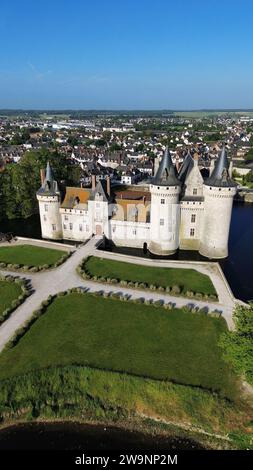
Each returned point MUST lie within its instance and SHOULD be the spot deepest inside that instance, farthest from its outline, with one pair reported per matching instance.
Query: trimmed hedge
(35, 269)
(26, 291)
(174, 290)
(112, 295)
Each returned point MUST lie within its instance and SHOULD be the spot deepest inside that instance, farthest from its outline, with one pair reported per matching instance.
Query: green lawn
(188, 279)
(82, 329)
(29, 255)
(9, 291)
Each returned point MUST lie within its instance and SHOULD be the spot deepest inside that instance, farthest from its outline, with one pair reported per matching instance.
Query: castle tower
(218, 191)
(49, 199)
(164, 215)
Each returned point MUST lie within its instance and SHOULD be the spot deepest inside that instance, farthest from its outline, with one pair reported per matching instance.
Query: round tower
(165, 214)
(49, 199)
(218, 191)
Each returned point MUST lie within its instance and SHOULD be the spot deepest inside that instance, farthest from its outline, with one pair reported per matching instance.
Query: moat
(237, 267)
(75, 436)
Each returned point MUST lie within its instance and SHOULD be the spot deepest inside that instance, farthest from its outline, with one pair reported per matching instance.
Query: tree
(238, 345)
(20, 182)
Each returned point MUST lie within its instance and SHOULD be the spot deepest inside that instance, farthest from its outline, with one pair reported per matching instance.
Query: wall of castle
(75, 224)
(191, 219)
(131, 234)
(216, 221)
(50, 219)
(164, 218)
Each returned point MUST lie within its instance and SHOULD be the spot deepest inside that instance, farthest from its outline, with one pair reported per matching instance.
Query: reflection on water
(237, 267)
(74, 436)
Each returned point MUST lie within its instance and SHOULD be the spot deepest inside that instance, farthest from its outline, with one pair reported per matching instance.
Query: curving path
(65, 276)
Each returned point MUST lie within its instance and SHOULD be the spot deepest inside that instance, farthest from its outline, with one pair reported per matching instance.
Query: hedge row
(26, 291)
(112, 295)
(35, 269)
(174, 290)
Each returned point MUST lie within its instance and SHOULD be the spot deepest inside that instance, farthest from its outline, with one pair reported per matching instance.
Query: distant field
(147, 341)
(9, 291)
(205, 114)
(187, 279)
(29, 255)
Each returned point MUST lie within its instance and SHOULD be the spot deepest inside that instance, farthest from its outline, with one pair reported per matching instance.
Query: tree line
(20, 182)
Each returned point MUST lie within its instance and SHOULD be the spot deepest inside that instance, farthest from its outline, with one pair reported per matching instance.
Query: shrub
(161, 289)
(139, 300)
(189, 293)
(175, 289)
(130, 284)
(168, 306)
(158, 303)
(198, 295)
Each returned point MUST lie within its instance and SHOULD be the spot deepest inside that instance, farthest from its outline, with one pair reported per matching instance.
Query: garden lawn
(9, 291)
(187, 279)
(29, 255)
(148, 341)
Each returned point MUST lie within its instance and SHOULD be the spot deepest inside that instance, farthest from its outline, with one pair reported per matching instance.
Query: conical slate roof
(49, 173)
(220, 175)
(166, 175)
(50, 185)
(188, 164)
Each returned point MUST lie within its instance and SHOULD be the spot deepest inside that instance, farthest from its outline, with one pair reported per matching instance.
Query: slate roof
(50, 185)
(166, 175)
(220, 174)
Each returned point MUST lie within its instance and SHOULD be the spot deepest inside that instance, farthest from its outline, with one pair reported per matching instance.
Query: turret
(49, 199)
(218, 191)
(164, 216)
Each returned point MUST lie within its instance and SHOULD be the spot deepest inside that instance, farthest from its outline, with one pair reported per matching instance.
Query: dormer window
(195, 191)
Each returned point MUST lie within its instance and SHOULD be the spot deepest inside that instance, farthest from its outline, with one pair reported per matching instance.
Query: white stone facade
(191, 214)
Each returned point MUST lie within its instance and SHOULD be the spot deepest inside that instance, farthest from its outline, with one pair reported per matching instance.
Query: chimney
(42, 175)
(93, 182)
(108, 185)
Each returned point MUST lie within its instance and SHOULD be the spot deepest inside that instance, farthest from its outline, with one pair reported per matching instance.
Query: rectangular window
(192, 232)
(64, 226)
(161, 221)
(70, 226)
(54, 227)
(46, 208)
(162, 201)
(80, 228)
(114, 228)
(45, 218)
(193, 218)
(66, 217)
(195, 191)
(134, 232)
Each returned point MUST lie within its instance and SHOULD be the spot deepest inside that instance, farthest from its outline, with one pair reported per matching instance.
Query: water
(75, 436)
(237, 267)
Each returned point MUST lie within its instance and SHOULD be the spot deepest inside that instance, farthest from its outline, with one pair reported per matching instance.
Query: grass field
(82, 329)
(187, 279)
(29, 255)
(9, 291)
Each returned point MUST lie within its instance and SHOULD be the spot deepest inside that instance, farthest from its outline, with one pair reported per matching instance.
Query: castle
(175, 210)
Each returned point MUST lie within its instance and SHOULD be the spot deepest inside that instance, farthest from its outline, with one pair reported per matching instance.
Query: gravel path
(65, 276)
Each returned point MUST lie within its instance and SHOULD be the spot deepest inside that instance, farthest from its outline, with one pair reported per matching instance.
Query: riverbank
(135, 433)
(94, 396)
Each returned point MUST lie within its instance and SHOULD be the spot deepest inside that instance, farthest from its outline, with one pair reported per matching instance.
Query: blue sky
(142, 54)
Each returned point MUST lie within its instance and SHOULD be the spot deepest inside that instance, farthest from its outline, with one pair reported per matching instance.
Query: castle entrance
(98, 230)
